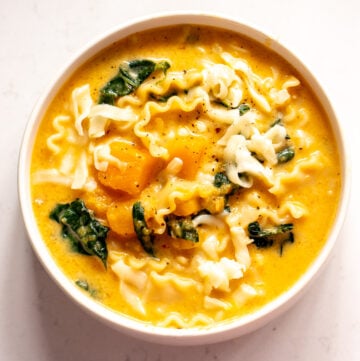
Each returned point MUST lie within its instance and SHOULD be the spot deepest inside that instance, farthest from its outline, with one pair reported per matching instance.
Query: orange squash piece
(185, 208)
(139, 168)
(119, 216)
(190, 149)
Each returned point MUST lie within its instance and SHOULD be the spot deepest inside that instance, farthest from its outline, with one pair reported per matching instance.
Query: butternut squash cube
(188, 207)
(190, 149)
(119, 216)
(138, 169)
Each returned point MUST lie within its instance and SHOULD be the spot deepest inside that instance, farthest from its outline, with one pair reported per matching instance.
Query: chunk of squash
(190, 149)
(188, 207)
(119, 217)
(139, 167)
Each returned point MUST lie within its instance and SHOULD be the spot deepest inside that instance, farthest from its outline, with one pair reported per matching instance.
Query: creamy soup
(185, 176)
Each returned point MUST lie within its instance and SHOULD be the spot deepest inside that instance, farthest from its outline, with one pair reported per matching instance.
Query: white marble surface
(37, 322)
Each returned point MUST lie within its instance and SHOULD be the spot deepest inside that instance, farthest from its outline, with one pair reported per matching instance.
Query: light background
(37, 321)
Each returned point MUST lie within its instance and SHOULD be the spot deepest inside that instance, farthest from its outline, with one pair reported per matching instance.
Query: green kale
(221, 180)
(285, 155)
(265, 237)
(83, 284)
(182, 227)
(289, 239)
(130, 76)
(143, 233)
(226, 187)
(86, 234)
(243, 108)
(288, 153)
(224, 184)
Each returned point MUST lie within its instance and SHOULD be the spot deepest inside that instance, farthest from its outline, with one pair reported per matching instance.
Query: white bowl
(139, 329)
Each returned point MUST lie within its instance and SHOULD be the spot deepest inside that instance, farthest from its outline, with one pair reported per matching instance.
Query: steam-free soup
(185, 176)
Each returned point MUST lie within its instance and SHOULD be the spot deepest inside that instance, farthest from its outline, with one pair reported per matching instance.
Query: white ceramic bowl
(138, 329)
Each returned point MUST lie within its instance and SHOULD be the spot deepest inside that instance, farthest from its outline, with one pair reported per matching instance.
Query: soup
(185, 176)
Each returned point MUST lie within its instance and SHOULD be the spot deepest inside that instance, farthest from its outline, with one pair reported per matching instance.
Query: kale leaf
(182, 227)
(83, 284)
(243, 108)
(285, 155)
(221, 180)
(86, 234)
(130, 76)
(143, 233)
(265, 237)
(223, 183)
(289, 239)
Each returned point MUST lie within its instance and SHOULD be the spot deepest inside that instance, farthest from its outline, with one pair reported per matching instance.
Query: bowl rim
(193, 336)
